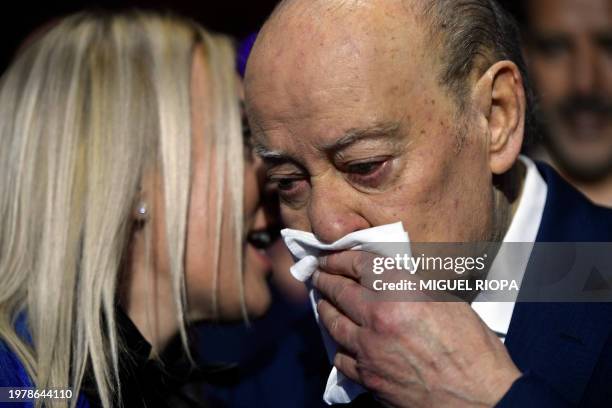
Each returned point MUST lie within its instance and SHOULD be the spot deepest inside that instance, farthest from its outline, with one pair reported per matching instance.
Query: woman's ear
(499, 97)
(141, 212)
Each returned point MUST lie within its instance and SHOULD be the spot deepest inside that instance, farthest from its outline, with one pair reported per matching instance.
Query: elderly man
(569, 48)
(372, 111)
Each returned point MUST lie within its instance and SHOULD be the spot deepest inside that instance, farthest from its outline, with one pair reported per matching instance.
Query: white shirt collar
(523, 228)
(526, 222)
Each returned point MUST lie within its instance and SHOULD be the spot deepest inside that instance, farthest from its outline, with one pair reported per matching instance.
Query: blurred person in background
(127, 196)
(569, 53)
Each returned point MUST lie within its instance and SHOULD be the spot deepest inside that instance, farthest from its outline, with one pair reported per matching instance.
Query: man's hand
(410, 354)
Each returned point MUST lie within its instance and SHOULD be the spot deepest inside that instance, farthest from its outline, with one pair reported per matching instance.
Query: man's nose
(334, 214)
(585, 69)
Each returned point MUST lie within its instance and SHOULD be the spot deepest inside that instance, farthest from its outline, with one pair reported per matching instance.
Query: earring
(142, 212)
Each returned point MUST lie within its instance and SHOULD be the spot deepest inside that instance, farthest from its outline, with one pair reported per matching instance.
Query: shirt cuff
(530, 390)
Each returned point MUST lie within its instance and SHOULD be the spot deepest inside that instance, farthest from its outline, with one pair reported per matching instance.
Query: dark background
(236, 17)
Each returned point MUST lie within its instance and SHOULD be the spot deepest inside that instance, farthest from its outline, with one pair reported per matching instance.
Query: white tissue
(306, 249)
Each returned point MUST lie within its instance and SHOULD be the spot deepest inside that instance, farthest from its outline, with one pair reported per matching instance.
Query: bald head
(307, 48)
(462, 37)
(459, 32)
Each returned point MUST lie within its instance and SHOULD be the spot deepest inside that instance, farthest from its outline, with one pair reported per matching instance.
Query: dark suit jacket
(563, 349)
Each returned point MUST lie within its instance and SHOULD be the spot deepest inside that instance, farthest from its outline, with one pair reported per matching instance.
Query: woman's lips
(261, 258)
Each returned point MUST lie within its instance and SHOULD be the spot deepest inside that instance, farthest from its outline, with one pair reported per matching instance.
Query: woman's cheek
(256, 292)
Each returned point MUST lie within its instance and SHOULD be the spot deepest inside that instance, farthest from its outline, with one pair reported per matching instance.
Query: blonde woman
(126, 195)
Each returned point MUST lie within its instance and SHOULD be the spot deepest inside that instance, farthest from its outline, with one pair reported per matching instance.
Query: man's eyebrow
(351, 136)
(387, 129)
(270, 155)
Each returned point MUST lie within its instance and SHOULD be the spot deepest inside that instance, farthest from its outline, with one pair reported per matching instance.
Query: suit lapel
(561, 342)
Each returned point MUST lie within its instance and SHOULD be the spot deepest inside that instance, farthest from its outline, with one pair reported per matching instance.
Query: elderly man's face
(570, 56)
(357, 132)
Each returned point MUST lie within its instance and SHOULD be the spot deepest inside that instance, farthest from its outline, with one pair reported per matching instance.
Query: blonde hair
(85, 109)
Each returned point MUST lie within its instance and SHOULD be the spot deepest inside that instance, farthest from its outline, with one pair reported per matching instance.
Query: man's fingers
(347, 365)
(345, 294)
(342, 329)
(352, 264)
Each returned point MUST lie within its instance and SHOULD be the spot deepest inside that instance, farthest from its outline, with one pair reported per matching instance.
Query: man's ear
(499, 97)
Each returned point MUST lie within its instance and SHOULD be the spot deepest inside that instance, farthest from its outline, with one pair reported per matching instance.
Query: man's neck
(508, 189)
(507, 192)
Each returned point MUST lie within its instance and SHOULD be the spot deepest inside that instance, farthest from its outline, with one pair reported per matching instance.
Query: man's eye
(364, 168)
(552, 47)
(369, 174)
(286, 184)
(288, 188)
(605, 43)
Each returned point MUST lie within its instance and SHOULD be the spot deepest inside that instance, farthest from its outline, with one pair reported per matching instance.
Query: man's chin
(587, 171)
(583, 163)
